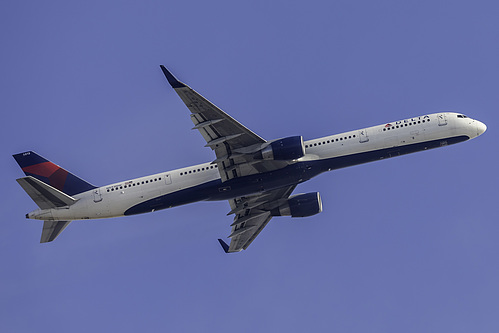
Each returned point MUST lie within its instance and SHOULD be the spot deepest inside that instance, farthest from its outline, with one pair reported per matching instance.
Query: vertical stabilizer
(42, 169)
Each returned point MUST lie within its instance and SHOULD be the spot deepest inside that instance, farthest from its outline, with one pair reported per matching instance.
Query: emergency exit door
(97, 195)
(363, 136)
(442, 119)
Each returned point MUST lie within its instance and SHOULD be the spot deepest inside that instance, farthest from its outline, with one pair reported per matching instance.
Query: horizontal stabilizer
(45, 196)
(52, 229)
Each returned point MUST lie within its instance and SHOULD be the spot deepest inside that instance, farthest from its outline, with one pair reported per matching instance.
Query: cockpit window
(461, 116)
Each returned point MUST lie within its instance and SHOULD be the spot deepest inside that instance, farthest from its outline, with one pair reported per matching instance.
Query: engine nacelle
(286, 149)
(300, 205)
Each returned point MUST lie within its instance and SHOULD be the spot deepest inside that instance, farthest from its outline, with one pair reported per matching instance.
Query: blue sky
(407, 244)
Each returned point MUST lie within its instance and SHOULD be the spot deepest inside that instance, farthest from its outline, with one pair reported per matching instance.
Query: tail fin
(42, 169)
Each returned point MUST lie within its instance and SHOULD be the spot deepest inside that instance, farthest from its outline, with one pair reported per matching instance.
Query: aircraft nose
(480, 127)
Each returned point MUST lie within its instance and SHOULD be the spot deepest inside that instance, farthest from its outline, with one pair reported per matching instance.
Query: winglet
(171, 79)
(224, 245)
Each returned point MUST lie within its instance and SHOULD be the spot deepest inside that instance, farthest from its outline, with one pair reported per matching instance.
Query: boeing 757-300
(256, 176)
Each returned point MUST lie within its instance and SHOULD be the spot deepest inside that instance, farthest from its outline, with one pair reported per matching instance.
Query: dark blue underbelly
(290, 175)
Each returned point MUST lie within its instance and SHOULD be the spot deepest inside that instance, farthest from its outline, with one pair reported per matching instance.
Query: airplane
(256, 176)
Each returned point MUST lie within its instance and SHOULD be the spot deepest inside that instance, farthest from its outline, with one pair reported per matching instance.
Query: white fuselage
(202, 182)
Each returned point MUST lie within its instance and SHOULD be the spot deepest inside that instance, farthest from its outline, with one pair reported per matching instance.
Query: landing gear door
(363, 136)
(442, 119)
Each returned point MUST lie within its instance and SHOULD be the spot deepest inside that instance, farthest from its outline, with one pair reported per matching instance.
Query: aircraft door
(168, 179)
(363, 136)
(97, 195)
(442, 119)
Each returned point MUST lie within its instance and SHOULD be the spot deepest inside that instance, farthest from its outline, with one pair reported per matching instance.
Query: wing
(236, 149)
(252, 215)
(233, 143)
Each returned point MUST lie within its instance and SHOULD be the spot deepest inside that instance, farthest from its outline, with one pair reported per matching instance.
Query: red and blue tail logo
(42, 169)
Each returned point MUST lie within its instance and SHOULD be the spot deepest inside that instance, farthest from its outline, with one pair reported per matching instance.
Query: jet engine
(291, 148)
(300, 205)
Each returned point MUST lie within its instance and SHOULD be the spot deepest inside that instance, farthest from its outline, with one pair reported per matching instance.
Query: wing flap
(253, 213)
(222, 133)
(207, 115)
(241, 240)
(234, 146)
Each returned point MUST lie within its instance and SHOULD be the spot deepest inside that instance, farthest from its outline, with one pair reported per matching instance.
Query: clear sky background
(409, 244)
